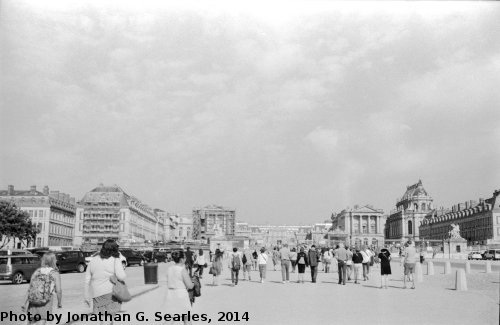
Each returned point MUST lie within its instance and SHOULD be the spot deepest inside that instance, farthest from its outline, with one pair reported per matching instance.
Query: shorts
(409, 268)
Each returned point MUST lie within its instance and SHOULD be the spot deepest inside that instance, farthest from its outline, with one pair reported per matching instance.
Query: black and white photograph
(249, 162)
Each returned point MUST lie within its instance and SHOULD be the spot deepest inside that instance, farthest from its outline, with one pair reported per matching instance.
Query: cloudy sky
(285, 112)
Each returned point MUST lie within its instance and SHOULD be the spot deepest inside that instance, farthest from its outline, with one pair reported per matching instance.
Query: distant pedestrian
(341, 255)
(39, 299)
(327, 259)
(293, 258)
(234, 264)
(409, 262)
(178, 283)
(200, 263)
(348, 263)
(97, 277)
(255, 255)
(302, 263)
(313, 259)
(247, 261)
(275, 257)
(385, 267)
(285, 263)
(189, 260)
(357, 262)
(216, 268)
(262, 258)
(366, 263)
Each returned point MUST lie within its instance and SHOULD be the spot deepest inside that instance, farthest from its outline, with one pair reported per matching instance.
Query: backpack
(236, 263)
(41, 288)
(197, 286)
(244, 259)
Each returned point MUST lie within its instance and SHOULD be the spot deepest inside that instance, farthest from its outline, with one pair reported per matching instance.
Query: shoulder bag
(120, 290)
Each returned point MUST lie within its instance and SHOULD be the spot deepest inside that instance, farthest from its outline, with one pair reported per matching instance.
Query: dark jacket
(357, 258)
(313, 257)
(189, 257)
(304, 255)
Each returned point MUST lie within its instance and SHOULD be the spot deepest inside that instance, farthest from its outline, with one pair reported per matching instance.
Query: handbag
(301, 260)
(212, 270)
(120, 290)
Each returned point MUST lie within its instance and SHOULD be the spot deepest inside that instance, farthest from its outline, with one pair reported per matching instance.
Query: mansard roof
(413, 191)
(22, 193)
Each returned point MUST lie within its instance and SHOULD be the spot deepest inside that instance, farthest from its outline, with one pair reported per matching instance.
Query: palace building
(479, 222)
(411, 209)
(213, 221)
(51, 211)
(363, 225)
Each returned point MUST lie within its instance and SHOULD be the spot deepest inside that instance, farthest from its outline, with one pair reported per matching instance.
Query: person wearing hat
(385, 266)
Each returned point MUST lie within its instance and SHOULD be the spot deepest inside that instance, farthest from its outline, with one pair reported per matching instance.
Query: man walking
(235, 265)
(247, 261)
(285, 263)
(409, 263)
(313, 258)
(189, 260)
(341, 255)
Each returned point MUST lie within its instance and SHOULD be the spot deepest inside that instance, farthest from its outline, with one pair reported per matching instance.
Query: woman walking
(293, 258)
(302, 262)
(35, 301)
(217, 266)
(178, 283)
(385, 267)
(262, 261)
(97, 277)
(200, 263)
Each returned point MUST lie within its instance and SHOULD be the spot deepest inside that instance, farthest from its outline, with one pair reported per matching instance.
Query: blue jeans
(285, 270)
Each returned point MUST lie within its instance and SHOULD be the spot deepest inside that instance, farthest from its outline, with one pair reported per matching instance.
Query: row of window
(60, 230)
(61, 217)
(36, 213)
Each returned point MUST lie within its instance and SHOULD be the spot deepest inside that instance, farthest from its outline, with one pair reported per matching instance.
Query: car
(122, 259)
(155, 256)
(491, 254)
(474, 256)
(4, 252)
(133, 257)
(18, 268)
(68, 261)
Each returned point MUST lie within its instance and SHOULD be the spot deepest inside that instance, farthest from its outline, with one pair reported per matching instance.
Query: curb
(140, 293)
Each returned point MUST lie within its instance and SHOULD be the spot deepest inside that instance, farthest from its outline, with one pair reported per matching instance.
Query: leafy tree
(15, 223)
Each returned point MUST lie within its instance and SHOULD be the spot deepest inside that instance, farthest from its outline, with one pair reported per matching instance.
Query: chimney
(460, 206)
(10, 190)
(46, 190)
(33, 188)
(467, 204)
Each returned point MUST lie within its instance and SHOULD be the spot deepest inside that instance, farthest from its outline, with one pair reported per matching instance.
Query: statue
(455, 232)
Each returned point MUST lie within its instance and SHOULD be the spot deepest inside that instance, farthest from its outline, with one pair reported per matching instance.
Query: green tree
(15, 223)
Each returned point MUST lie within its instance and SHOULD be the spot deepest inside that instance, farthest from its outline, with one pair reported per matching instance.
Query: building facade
(213, 221)
(479, 222)
(363, 225)
(404, 222)
(53, 212)
(184, 229)
(109, 212)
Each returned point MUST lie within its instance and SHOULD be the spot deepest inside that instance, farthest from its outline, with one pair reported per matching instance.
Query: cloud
(324, 141)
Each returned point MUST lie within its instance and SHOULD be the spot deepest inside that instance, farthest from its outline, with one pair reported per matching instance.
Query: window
(365, 241)
(410, 227)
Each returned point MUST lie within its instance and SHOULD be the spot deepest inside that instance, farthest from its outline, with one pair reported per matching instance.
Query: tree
(15, 223)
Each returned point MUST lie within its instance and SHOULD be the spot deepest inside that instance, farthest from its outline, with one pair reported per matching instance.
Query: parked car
(122, 258)
(155, 256)
(4, 252)
(71, 261)
(18, 268)
(491, 254)
(133, 257)
(474, 256)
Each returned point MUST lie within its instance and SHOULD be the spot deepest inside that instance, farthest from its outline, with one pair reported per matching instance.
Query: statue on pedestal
(454, 233)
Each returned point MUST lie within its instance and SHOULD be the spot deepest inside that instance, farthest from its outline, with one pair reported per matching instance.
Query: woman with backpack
(302, 262)
(44, 282)
(100, 271)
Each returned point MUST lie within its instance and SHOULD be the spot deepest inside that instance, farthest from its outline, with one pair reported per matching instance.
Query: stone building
(213, 221)
(109, 212)
(403, 223)
(479, 222)
(53, 212)
(184, 229)
(363, 225)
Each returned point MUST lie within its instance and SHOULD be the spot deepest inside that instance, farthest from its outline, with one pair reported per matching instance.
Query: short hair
(235, 249)
(262, 250)
(177, 256)
(109, 249)
(200, 252)
(313, 246)
(49, 260)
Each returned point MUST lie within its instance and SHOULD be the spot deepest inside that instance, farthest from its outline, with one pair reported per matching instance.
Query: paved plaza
(434, 301)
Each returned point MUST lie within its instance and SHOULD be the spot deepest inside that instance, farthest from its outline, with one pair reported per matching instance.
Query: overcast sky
(286, 112)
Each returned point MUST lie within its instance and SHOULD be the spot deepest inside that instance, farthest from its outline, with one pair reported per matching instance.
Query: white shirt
(262, 258)
(98, 273)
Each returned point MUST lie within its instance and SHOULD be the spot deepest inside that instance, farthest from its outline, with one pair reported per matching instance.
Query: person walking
(313, 259)
(285, 263)
(200, 263)
(302, 263)
(357, 262)
(275, 257)
(247, 261)
(366, 263)
(178, 283)
(385, 266)
(348, 263)
(189, 260)
(255, 263)
(327, 259)
(216, 268)
(234, 264)
(98, 279)
(39, 299)
(262, 258)
(341, 255)
(293, 258)
(410, 259)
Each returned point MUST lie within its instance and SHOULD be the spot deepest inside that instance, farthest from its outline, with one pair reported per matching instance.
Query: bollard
(418, 272)
(447, 268)
(460, 281)
(488, 266)
(467, 267)
(430, 268)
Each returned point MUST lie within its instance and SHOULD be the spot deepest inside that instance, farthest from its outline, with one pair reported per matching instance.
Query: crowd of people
(183, 284)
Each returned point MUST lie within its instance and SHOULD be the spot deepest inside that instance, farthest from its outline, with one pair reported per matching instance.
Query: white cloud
(324, 141)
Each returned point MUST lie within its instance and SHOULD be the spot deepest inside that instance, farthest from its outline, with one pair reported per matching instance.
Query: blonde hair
(49, 260)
